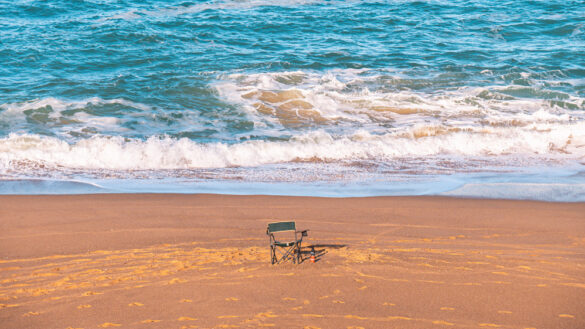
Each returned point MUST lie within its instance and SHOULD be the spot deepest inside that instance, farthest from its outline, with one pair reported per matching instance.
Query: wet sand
(202, 261)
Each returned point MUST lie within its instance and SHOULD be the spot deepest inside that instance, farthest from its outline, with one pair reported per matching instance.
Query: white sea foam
(565, 142)
(15, 113)
(53, 113)
(530, 191)
(58, 105)
(355, 114)
(339, 115)
(359, 97)
(208, 5)
(40, 186)
(346, 119)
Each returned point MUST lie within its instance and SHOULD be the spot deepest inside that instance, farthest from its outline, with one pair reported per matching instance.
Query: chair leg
(299, 256)
(292, 253)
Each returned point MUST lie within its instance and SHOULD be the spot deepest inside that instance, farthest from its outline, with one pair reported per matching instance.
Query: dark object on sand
(289, 249)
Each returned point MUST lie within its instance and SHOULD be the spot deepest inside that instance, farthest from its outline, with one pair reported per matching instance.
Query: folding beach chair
(286, 250)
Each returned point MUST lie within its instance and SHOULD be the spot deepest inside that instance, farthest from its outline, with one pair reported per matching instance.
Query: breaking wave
(383, 101)
(117, 153)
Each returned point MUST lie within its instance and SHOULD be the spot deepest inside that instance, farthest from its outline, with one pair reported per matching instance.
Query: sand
(202, 261)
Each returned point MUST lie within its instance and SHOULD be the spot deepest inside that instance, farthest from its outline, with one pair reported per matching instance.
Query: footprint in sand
(566, 316)
(392, 318)
(31, 313)
(349, 316)
(247, 269)
(232, 299)
(83, 306)
(8, 305)
(388, 304)
(447, 309)
(109, 324)
(266, 315)
(136, 304)
(576, 285)
(186, 318)
(186, 301)
(176, 280)
(91, 293)
(149, 321)
(338, 302)
(501, 273)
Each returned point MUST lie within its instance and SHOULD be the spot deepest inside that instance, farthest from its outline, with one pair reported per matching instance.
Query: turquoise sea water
(477, 98)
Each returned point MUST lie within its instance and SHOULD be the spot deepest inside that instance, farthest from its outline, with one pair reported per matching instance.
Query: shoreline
(180, 260)
(192, 194)
(561, 188)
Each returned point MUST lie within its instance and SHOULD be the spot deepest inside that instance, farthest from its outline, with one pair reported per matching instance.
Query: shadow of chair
(318, 250)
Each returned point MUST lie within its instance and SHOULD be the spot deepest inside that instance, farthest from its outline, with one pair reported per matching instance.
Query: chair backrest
(281, 226)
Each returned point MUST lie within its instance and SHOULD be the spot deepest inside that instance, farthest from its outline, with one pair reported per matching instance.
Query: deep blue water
(357, 96)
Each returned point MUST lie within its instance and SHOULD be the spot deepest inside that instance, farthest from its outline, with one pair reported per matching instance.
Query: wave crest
(117, 153)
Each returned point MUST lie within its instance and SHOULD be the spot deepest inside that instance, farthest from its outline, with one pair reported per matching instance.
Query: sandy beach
(202, 261)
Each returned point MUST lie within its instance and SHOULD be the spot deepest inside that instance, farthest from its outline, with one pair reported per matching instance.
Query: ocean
(322, 98)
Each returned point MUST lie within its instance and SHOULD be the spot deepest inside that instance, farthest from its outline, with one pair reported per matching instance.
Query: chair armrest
(303, 233)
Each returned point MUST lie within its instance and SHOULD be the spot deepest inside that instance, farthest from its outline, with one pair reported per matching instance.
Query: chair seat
(285, 244)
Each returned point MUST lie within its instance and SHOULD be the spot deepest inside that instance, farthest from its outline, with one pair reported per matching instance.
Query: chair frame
(287, 250)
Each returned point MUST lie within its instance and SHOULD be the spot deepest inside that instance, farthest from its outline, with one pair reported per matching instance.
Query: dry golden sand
(201, 261)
